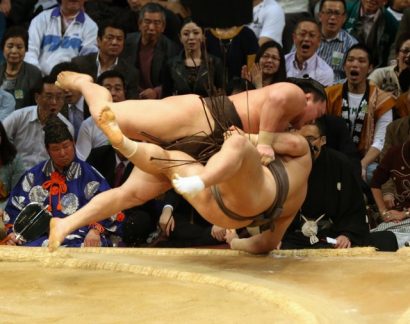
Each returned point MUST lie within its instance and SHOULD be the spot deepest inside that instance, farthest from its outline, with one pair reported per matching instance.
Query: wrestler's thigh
(141, 186)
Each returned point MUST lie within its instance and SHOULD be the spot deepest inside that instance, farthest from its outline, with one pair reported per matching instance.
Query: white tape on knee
(128, 147)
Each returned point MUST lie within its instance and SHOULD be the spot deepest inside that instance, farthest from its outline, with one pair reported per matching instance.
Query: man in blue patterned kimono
(65, 184)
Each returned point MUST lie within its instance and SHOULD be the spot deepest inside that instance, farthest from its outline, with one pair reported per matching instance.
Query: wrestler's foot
(188, 186)
(72, 80)
(57, 233)
(108, 124)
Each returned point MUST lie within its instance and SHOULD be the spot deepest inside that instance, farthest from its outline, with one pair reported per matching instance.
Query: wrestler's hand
(342, 242)
(92, 238)
(230, 234)
(266, 152)
(166, 222)
(218, 233)
(148, 94)
(12, 240)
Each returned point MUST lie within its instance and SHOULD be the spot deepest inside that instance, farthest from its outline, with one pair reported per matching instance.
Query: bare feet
(108, 124)
(72, 80)
(57, 233)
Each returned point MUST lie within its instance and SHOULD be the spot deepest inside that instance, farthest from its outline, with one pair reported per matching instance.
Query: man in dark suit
(111, 36)
(149, 49)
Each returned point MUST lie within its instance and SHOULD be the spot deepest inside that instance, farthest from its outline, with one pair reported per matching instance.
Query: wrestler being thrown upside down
(245, 188)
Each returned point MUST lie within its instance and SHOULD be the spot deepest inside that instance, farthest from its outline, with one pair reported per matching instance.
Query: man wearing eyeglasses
(304, 61)
(24, 126)
(335, 40)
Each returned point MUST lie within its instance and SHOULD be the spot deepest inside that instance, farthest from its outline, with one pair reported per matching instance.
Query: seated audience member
(294, 11)
(335, 41)
(334, 206)
(397, 7)
(304, 61)
(371, 24)
(366, 109)
(7, 104)
(269, 66)
(173, 21)
(182, 226)
(403, 101)
(268, 21)
(59, 34)
(110, 41)
(192, 70)
(387, 78)
(148, 50)
(235, 46)
(64, 184)
(334, 191)
(75, 108)
(11, 168)
(24, 127)
(16, 76)
(90, 136)
(396, 166)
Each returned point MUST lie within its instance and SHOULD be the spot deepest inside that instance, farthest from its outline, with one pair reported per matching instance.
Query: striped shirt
(333, 51)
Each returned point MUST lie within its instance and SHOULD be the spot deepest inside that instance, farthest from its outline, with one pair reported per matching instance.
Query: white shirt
(26, 132)
(89, 137)
(315, 67)
(268, 20)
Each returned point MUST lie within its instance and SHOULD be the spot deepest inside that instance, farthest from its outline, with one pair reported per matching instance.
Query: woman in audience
(16, 76)
(396, 166)
(269, 66)
(387, 78)
(191, 71)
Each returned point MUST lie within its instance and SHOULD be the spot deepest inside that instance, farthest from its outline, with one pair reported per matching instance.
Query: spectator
(304, 61)
(149, 50)
(268, 21)
(387, 78)
(90, 136)
(5, 7)
(333, 190)
(396, 166)
(111, 38)
(173, 22)
(335, 41)
(11, 168)
(62, 182)
(7, 104)
(396, 8)
(366, 109)
(16, 76)
(192, 71)
(24, 127)
(269, 66)
(59, 34)
(371, 24)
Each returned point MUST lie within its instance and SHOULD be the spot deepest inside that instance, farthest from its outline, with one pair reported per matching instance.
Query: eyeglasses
(405, 50)
(50, 97)
(148, 22)
(335, 13)
(304, 34)
(272, 57)
(311, 139)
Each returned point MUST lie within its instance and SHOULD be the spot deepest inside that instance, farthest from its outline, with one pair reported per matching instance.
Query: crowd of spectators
(140, 49)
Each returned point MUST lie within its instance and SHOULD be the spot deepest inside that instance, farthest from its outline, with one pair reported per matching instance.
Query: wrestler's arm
(260, 243)
(290, 144)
